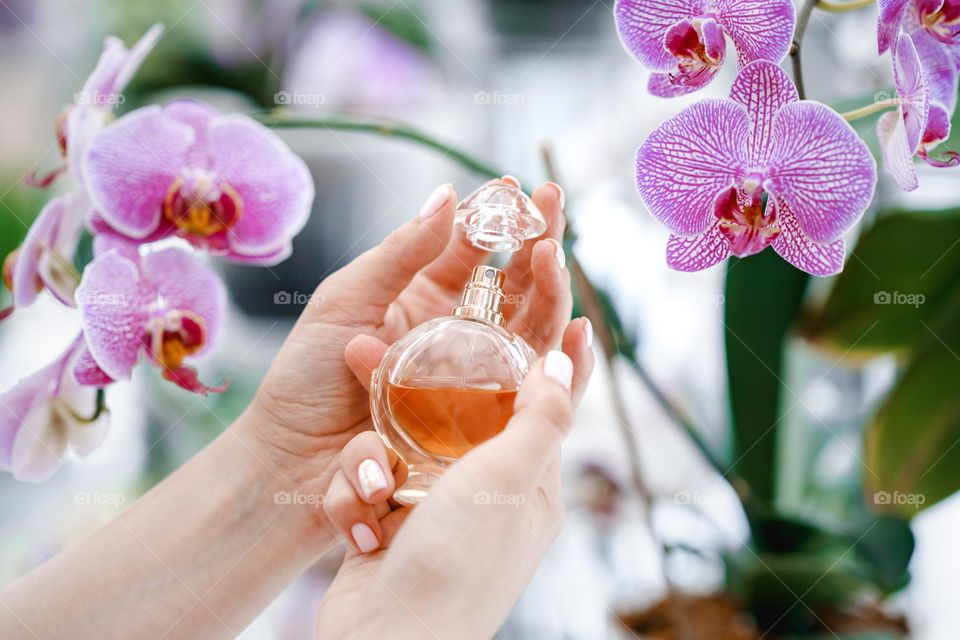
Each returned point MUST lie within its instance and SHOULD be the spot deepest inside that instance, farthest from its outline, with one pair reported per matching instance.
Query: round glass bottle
(449, 384)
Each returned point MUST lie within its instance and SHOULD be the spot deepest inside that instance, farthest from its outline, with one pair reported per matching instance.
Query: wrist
(291, 479)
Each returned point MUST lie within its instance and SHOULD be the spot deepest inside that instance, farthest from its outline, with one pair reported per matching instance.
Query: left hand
(310, 405)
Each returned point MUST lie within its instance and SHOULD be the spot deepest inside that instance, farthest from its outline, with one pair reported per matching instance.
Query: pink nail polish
(558, 253)
(561, 196)
(558, 366)
(435, 202)
(370, 477)
(588, 332)
(363, 536)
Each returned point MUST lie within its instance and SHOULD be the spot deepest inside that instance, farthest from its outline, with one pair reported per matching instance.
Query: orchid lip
(198, 205)
(174, 336)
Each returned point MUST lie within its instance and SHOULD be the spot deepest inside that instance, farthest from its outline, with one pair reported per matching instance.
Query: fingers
(577, 344)
(363, 354)
(543, 411)
(366, 287)
(354, 519)
(357, 498)
(546, 309)
(549, 199)
(368, 466)
(454, 265)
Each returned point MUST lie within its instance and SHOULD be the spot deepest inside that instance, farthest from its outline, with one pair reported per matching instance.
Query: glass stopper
(499, 217)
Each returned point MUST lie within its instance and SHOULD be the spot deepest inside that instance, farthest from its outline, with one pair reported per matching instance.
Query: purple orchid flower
(684, 41)
(44, 414)
(168, 306)
(941, 71)
(225, 183)
(901, 132)
(938, 18)
(733, 176)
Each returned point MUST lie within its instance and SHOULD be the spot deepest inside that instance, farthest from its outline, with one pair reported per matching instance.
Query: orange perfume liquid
(449, 421)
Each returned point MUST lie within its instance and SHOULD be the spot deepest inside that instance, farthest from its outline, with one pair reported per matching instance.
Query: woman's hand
(310, 404)
(477, 538)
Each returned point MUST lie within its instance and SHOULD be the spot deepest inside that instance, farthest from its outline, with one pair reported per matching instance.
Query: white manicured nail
(559, 367)
(370, 477)
(363, 536)
(435, 202)
(561, 196)
(558, 253)
(588, 332)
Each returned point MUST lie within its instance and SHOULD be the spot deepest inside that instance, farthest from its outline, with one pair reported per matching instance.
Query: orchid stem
(842, 7)
(870, 109)
(803, 19)
(282, 119)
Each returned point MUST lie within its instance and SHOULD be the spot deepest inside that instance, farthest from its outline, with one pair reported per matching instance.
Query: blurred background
(658, 543)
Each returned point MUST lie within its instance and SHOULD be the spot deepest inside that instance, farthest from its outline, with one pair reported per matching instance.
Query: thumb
(543, 411)
(364, 289)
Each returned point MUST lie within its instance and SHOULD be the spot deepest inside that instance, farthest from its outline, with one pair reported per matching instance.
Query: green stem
(386, 128)
(843, 7)
(870, 109)
(803, 19)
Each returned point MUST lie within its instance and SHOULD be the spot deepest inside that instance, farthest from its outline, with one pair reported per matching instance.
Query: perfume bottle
(450, 384)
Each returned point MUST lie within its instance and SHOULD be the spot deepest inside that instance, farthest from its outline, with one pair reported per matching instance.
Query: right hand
(454, 565)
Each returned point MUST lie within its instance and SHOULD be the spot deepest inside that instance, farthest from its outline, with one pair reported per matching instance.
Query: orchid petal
(16, 405)
(185, 283)
(897, 155)
(663, 85)
(688, 160)
(698, 252)
(940, 71)
(760, 29)
(198, 116)
(131, 166)
(888, 22)
(912, 90)
(794, 247)
(274, 184)
(763, 88)
(39, 446)
(643, 23)
(40, 239)
(113, 304)
(821, 168)
(87, 372)
(117, 65)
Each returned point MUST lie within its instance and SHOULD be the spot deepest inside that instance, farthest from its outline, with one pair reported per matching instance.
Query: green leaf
(402, 21)
(762, 300)
(913, 442)
(901, 273)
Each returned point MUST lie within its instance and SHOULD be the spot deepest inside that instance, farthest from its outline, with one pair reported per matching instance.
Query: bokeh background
(499, 78)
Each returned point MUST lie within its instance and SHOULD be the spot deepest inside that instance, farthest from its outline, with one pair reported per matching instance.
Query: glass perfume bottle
(449, 384)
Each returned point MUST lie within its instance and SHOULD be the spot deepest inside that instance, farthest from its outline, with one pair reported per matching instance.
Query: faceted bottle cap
(498, 217)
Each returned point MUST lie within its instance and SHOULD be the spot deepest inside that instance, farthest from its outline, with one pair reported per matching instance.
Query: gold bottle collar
(483, 296)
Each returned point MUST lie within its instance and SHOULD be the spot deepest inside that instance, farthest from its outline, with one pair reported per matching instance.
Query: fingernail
(561, 196)
(363, 536)
(436, 200)
(509, 178)
(559, 367)
(371, 477)
(587, 332)
(558, 253)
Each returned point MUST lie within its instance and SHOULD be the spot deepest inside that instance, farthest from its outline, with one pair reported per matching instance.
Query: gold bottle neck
(483, 296)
